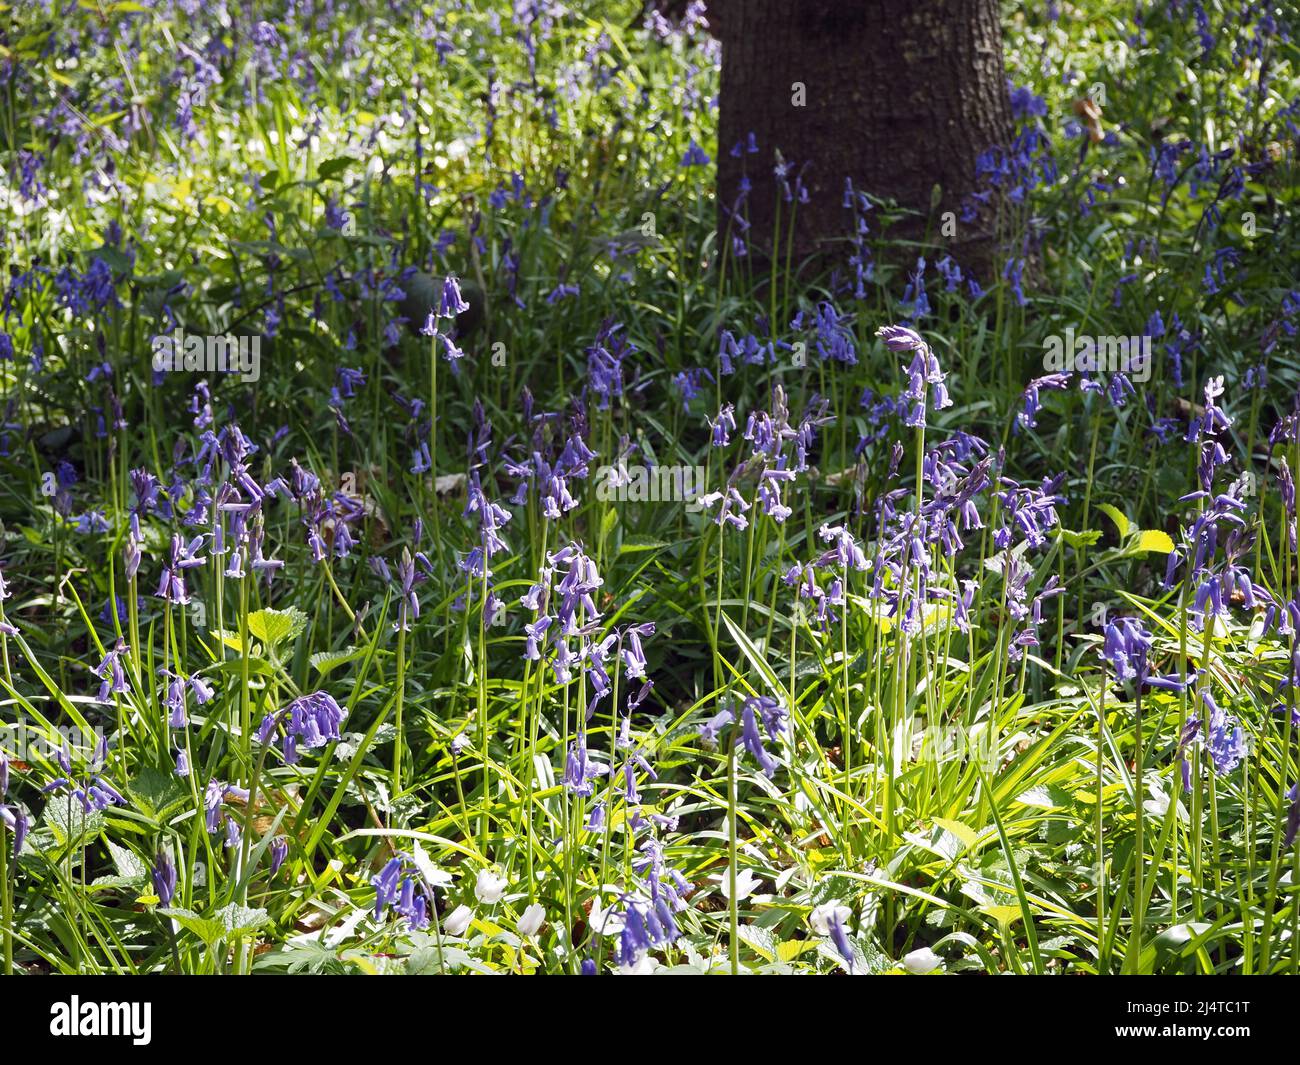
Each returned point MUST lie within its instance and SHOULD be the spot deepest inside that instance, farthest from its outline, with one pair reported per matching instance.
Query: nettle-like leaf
(156, 793)
(325, 661)
(226, 923)
(274, 627)
(127, 863)
(70, 823)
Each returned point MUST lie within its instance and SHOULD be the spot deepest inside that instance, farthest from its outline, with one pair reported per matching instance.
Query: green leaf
(324, 661)
(230, 639)
(760, 940)
(274, 627)
(1080, 539)
(633, 543)
(755, 657)
(1153, 540)
(963, 832)
(240, 920)
(1041, 797)
(70, 823)
(207, 930)
(332, 168)
(129, 867)
(792, 948)
(155, 792)
(1122, 524)
(225, 923)
(867, 957)
(1003, 914)
(430, 961)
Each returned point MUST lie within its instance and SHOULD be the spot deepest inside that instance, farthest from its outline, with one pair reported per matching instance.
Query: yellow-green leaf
(1153, 540)
(963, 832)
(1118, 517)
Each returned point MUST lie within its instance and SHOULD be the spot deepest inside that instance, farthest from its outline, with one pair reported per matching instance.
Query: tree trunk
(901, 96)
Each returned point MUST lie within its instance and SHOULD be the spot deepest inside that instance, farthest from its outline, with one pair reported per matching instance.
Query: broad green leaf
(963, 832)
(240, 920)
(324, 661)
(127, 864)
(69, 822)
(207, 930)
(1080, 539)
(332, 168)
(1122, 524)
(1153, 540)
(760, 940)
(274, 627)
(155, 792)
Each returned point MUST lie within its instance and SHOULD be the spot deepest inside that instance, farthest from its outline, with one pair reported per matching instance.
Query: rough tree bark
(899, 95)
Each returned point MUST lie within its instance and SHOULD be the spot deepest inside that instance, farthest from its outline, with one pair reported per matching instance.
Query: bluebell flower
(279, 851)
(1224, 738)
(163, 875)
(723, 426)
(401, 886)
(12, 817)
(695, 156)
(770, 712)
(580, 770)
(452, 302)
(1126, 648)
(216, 796)
(111, 673)
(840, 938)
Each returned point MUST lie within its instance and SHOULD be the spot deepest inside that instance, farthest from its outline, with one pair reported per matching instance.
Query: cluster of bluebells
(326, 518)
(843, 553)
(557, 456)
(211, 504)
(490, 517)
(649, 914)
(1219, 516)
(217, 798)
(925, 377)
(401, 887)
(605, 363)
(754, 710)
(567, 631)
(112, 673)
(904, 578)
(860, 260)
(1028, 514)
(777, 453)
(1126, 647)
(94, 792)
(747, 350)
(831, 333)
(310, 721)
(176, 695)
